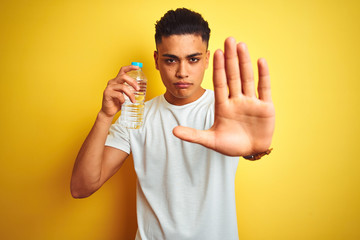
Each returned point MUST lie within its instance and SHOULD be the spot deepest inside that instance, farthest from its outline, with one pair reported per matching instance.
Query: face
(181, 61)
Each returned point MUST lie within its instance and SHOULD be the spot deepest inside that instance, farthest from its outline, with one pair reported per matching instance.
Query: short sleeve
(118, 137)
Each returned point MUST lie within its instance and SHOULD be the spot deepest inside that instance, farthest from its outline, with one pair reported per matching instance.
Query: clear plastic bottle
(132, 114)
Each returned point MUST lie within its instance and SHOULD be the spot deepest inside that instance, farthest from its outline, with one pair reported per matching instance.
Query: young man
(182, 153)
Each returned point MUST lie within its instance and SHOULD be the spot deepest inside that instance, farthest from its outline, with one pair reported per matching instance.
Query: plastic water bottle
(132, 114)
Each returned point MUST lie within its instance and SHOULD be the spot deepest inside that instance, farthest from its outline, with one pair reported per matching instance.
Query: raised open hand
(244, 123)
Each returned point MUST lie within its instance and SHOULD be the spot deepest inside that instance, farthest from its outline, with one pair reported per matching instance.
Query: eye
(170, 60)
(194, 60)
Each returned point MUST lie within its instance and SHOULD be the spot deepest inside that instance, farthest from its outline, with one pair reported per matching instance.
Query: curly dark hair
(182, 21)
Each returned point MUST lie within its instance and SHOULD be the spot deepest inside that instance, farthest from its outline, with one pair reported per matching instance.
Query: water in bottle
(132, 114)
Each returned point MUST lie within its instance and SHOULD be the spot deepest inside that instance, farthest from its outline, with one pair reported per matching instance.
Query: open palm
(244, 123)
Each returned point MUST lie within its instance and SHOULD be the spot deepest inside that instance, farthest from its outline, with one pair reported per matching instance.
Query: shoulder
(156, 99)
(155, 102)
(208, 98)
(209, 95)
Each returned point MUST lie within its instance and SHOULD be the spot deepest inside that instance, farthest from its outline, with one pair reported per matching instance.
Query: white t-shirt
(184, 190)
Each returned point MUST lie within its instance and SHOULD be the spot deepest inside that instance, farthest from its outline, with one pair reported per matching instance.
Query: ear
(207, 58)
(156, 58)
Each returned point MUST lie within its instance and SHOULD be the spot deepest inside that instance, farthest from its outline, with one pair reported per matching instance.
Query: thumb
(193, 135)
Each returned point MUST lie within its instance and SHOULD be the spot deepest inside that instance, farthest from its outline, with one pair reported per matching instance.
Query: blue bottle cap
(139, 64)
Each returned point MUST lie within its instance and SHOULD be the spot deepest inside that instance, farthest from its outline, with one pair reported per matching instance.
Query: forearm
(87, 170)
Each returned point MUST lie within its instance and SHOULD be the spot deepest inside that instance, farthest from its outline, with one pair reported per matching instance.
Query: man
(185, 173)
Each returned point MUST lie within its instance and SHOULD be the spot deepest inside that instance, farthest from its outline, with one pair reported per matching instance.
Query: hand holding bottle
(113, 96)
(132, 113)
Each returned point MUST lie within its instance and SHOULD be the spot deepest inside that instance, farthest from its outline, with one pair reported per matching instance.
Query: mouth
(182, 85)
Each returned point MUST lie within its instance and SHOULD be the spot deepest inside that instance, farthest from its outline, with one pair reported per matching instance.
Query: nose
(182, 70)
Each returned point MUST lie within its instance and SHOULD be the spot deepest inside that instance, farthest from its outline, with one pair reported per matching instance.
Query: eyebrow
(176, 57)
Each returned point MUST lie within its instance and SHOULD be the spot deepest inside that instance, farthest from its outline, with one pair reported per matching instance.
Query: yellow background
(57, 56)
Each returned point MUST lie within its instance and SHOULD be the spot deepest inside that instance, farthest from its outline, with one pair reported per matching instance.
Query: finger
(219, 77)
(129, 92)
(118, 97)
(126, 69)
(194, 135)
(264, 88)
(246, 71)
(122, 89)
(127, 81)
(123, 77)
(114, 96)
(232, 67)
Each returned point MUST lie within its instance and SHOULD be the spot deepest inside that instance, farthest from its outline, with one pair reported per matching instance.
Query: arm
(244, 123)
(96, 163)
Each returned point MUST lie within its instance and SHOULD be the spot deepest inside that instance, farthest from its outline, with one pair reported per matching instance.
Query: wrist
(104, 118)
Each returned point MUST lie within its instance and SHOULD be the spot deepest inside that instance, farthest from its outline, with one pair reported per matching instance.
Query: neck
(183, 101)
